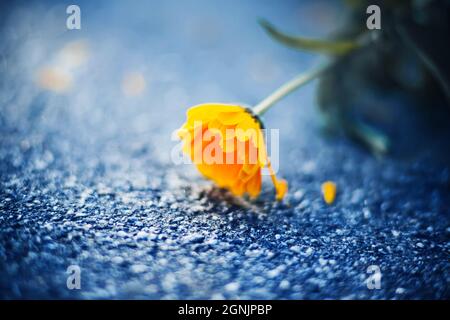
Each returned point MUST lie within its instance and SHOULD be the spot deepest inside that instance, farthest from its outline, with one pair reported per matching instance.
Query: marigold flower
(226, 144)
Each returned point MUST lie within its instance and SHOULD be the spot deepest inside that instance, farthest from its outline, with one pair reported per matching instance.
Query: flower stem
(291, 85)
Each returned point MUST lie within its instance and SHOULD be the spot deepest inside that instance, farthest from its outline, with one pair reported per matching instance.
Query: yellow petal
(329, 191)
(253, 186)
(248, 171)
(281, 188)
(247, 129)
(210, 110)
(231, 118)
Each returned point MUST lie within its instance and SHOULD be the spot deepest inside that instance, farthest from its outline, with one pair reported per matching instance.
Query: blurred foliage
(390, 88)
(336, 47)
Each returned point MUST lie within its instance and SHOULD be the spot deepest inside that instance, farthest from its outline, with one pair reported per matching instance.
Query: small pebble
(284, 285)
(232, 287)
(400, 291)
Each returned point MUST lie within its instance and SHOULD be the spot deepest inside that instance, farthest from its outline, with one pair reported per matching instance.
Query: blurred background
(86, 118)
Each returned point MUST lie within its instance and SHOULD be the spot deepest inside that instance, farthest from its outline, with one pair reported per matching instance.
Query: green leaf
(374, 139)
(315, 45)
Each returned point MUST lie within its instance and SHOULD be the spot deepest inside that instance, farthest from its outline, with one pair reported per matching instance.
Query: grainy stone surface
(86, 176)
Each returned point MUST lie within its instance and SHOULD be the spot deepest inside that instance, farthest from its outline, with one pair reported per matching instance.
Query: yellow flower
(226, 144)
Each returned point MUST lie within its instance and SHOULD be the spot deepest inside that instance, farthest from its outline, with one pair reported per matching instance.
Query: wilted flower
(226, 144)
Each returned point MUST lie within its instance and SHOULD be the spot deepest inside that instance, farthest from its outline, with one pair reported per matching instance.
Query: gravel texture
(86, 177)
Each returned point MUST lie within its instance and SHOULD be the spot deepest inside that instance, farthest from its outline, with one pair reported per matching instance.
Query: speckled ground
(86, 176)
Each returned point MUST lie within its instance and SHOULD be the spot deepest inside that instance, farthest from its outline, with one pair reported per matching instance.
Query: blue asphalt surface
(86, 176)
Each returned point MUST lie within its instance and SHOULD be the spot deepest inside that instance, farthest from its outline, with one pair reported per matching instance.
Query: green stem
(292, 85)
(363, 41)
